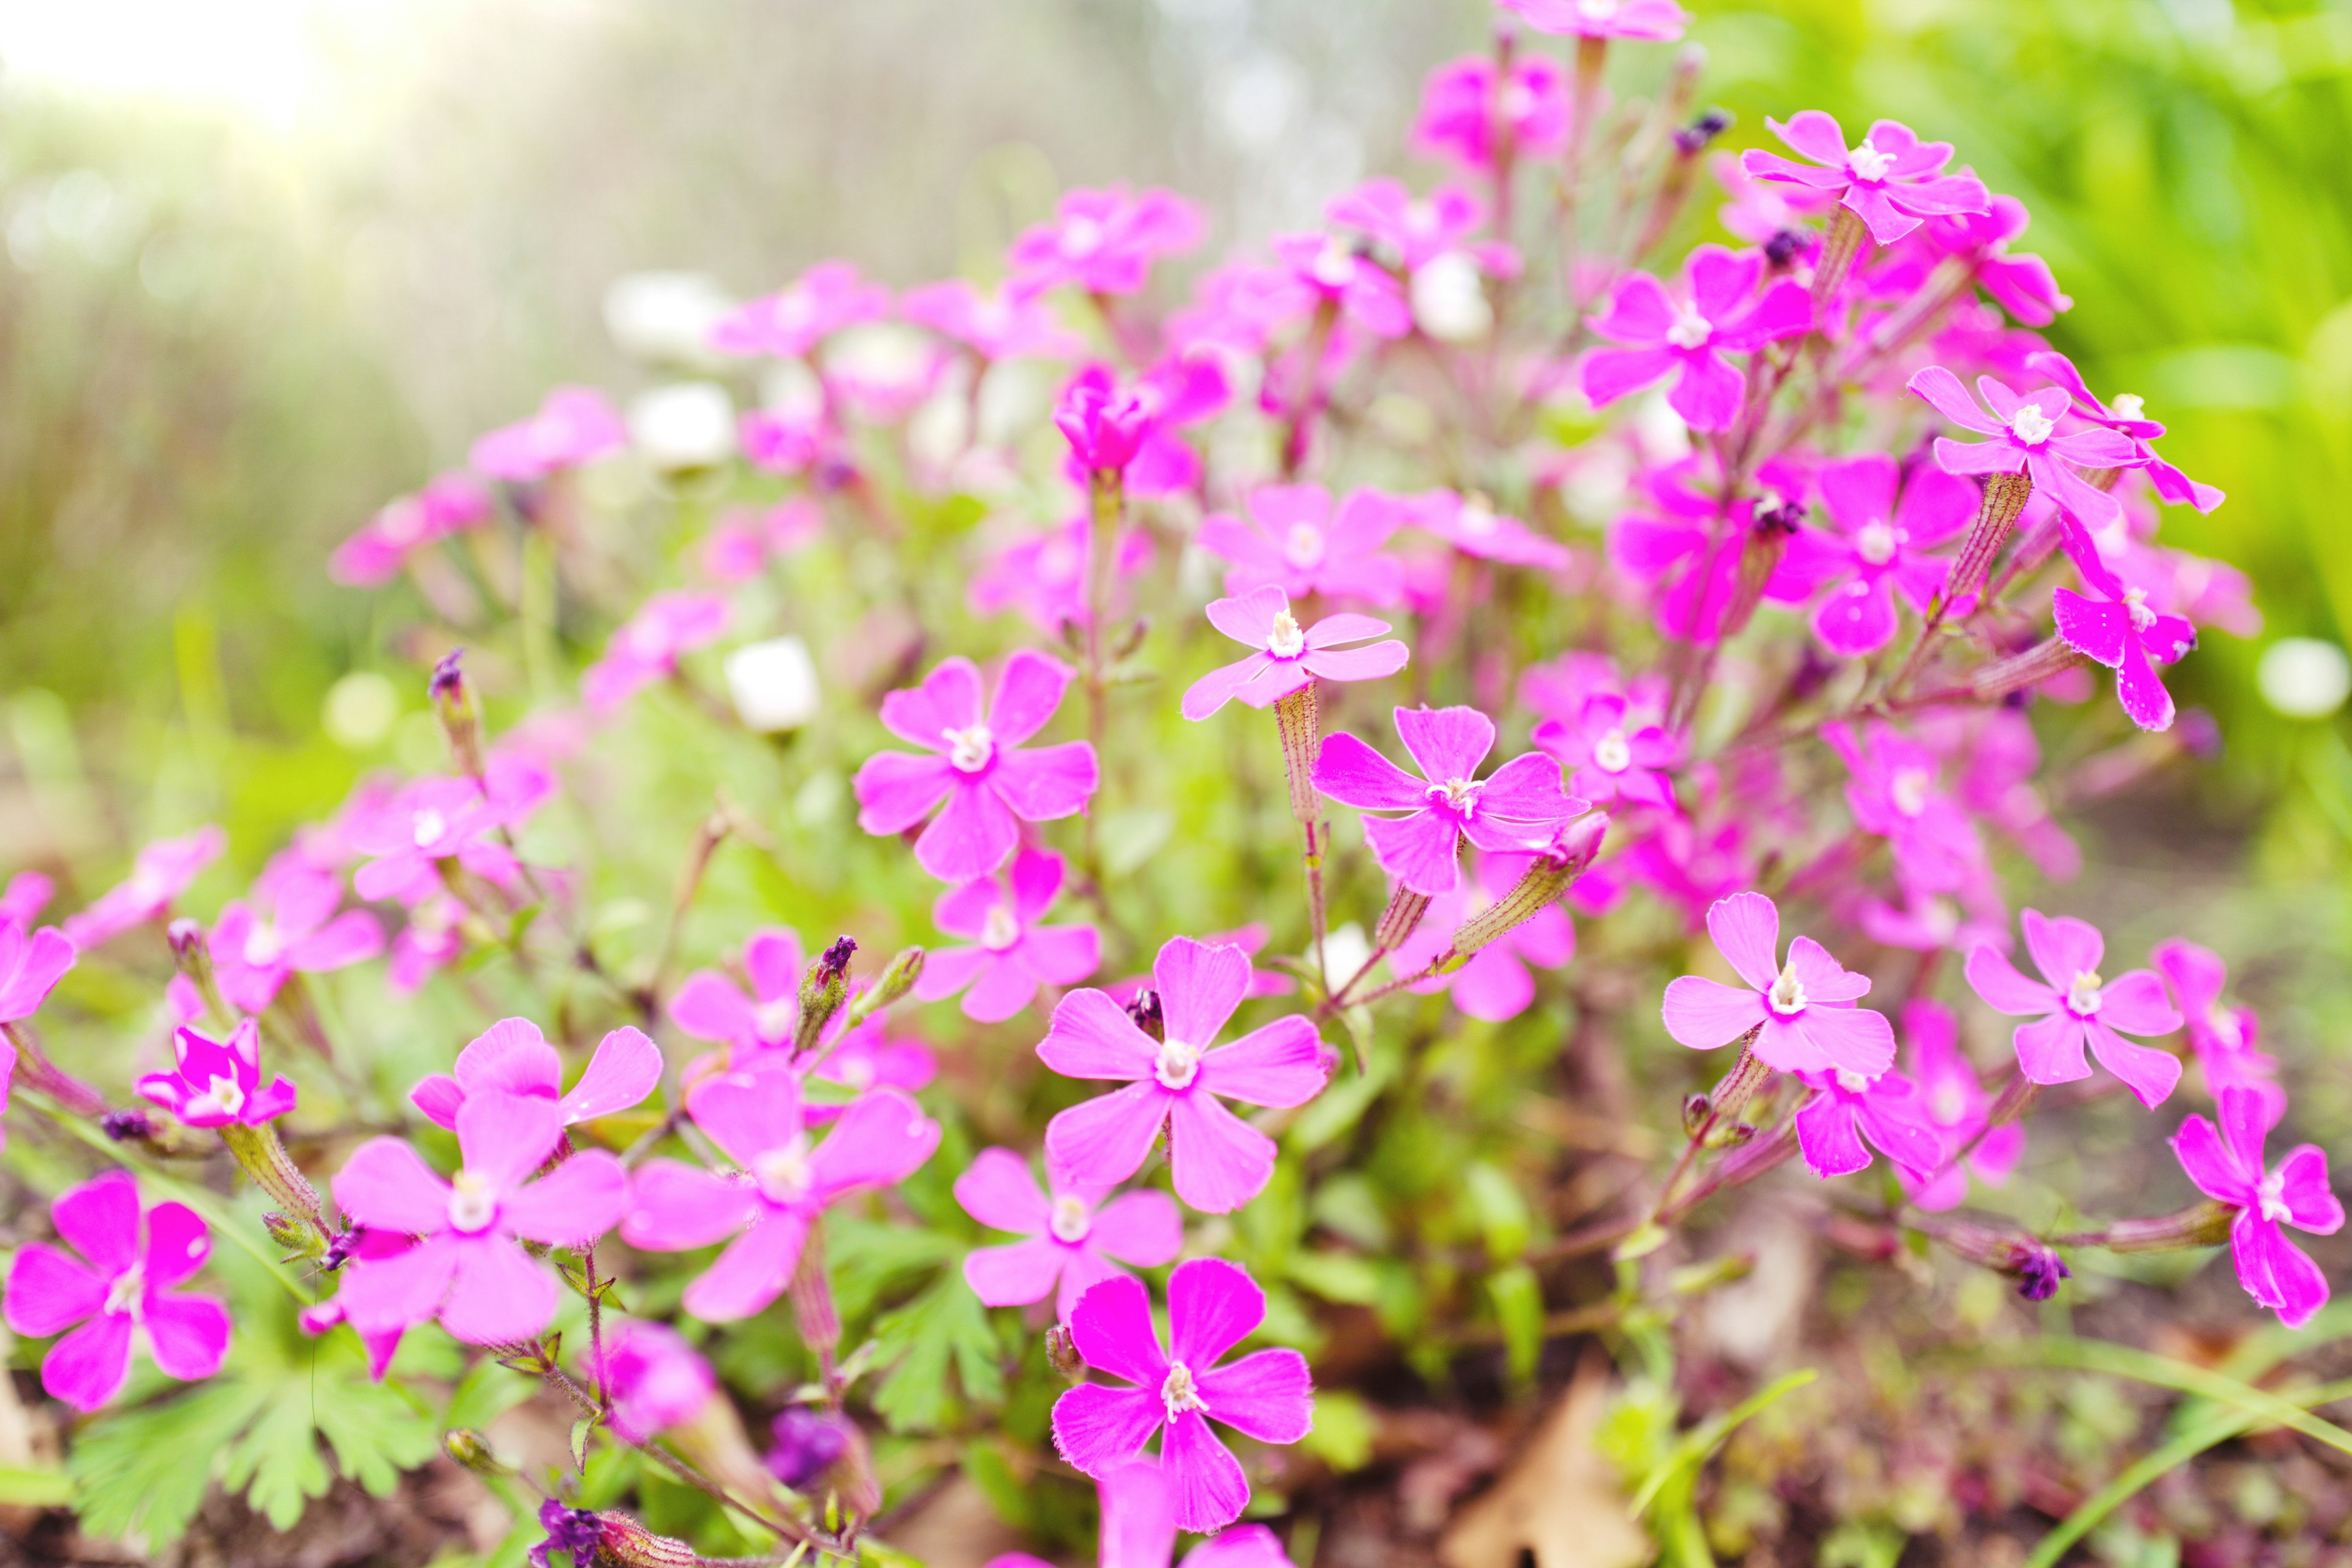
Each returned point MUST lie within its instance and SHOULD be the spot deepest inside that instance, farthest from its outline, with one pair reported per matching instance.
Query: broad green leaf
(943, 1328)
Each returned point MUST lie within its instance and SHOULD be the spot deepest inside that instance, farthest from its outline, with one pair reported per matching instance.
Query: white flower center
(1612, 753)
(2136, 606)
(1852, 1082)
(1787, 996)
(1690, 329)
(1948, 1104)
(1303, 544)
(1177, 1065)
(1598, 10)
(2128, 405)
(783, 1172)
(1908, 790)
(1178, 1392)
(1000, 931)
(774, 1020)
(2271, 1196)
(969, 749)
(123, 1295)
(427, 826)
(263, 945)
(2229, 1031)
(1875, 541)
(2031, 426)
(472, 1203)
(1288, 639)
(1868, 163)
(1517, 101)
(1070, 1221)
(225, 1093)
(2083, 996)
(1458, 794)
(794, 310)
(1335, 265)
(1475, 519)
(1081, 236)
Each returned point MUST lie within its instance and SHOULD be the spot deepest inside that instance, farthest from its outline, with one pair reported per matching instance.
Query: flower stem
(1297, 721)
(264, 1158)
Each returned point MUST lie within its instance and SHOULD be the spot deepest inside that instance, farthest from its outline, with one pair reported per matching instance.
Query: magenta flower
(1891, 182)
(2228, 1166)
(119, 1289)
(2224, 1039)
(1474, 527)
(709, 1006)
(1648, 21)
(988, 785)
(1803, 1013)
(287, 926)
(1847, 1108)
(1074, 1238)
(1212, 1306)
(2072, 1006)
(574, 426)
(511, 1057)
(1016, 955)
(1879, 549)
(25, 896)
(161, 873)
(1609, 757)
(1103, 241)
(657, 1380)
(1219, 1161)
(1957, 1105)
(2025, 439)
(2021, 285)
(1251, 939)
(432, 820)
(996, 326)
(1418, 229)
(783, 1183)
(1717, 312)
(373, 556)
(30, 968)
(1894, 792)
(646, 649)
(1294, 542)
(1927, 923)
(217, 1083)
(1289, 656)
(361, 1245)
(1470, 114)
(1043, 574)
(2125, 418)
(468, 1268)
(790, 322)
(428, 942)
(2119, 631)
(1495, 984)
(1519, 807)
(1347, 281)
(1105, 426)
(1138, 1530)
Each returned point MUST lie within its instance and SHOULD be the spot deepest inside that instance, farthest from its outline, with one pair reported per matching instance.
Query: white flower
(773, 684)
(687, 425)
(2304, 677)
(664, 318)
(1449, 299)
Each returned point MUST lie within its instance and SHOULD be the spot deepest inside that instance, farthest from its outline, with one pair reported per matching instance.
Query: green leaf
(1692, 1450)
(141, 1473)
(376, 1433)
(945, 1327)
(1343, 1431)
(1500, 1212)
(1337, 1277)
(278, 1466)
(21, 1487)
(1519, 1307)
(1130, 838)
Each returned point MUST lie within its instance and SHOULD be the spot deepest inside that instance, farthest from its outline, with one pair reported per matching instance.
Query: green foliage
(943, 1329)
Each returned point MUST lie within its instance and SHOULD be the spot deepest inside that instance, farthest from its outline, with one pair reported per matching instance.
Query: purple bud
(807, 1444)
(1692, 139)
(127, 1126)
(2039, 1272)
(835, 962)
(1783, 248)
(572, 1530)
(1145, 1010)
(187, 939)
(448, 681)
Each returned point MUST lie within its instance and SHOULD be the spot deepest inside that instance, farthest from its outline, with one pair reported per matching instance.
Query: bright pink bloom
(1519, 807)
(160, 874)
(1879, 548)
(709, 1006)
(359, 1244)
(996, 326)
(1804, 1011)
(790, 322)
(1761, 211)
(1647, 21)
(1219, 1161)
(428, 942)
(1016, 955)
(2021, 285)
(743, 541)
(790, 440)
(287, 926)
(470, 1268)
(122, 1291)
(1475, 528)
(1251, 939)
(2228, 1166)
(1892, 181)
(2224, 1039)
(511, 1057)
(1104, 241)
(2026, 439)
(1043, 574)
(657, 1379)
(1294, 542)
(1688, 554)
(1848, 1109)
(646, 649)
(1289, 656)
(1136, 429)
(1342, 278)
(450, 505)
(1717, 312)
(1419, 229)
(574, 426)
(1609, 756)
(1495, 984)
(431, 820)
(1212, 1306)
(1469, 115)
(1894, 792)
(1956, 1104)
(30, 968)
(217, 1083)
(2120, 631)
(783, 1183)
(1927, 923)
(2072, 1006)
(1138, 1530)
(2125, 417)
(1076, 1239)
(988, 784)
(25, 896)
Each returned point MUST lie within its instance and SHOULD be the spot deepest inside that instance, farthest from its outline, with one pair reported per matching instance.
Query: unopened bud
(1398, 921)
(1132, 638)
(289, 1234)
(1769, 528)
(897, 978)
(2022, 671)
(1144, 1008)
(471, 1449)
(2036, 1267)
(127, 1126)
(625, 1541)
(1781, 251)
(2005, 496)
(823, 989)
(187, 939)
(1557, 864)
(453, 705)
(2205, 1223)
(1692, 139)
(1694, 1109)
(1062, 1354)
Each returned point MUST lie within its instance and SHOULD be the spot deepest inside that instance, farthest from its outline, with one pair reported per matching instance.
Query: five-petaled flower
(1471, 112)
(1847, 1108)
(2027, 438)
(1074, 1238)
(1891, 182)
(789, 323)
(2120, 630)
(647, 648)
(976, 768)
(574, 426)
(1218, 1161)
(512, 1057)
(1294, 542)
(1014, 954)
(1896, 792)
(2072, 1007)
(2224, 1039)
(1802, 1014)
(161, 873)
(1957, 1105)
(217, 1083)
(1878, 550)
(2127, 418)
(1104, 241)
(1212, 1306)
(709, 1006)
(1686, 335)
(373, 556)
(2228, 1165)
(1610, 755)
(287, 926)
(1288, 656)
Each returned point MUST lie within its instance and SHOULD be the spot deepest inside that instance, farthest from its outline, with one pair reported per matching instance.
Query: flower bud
(1782, 249)
(1398, 921)
(1062, 1354)
(2204, 1223)
(1692, 139)
(127, 1126)
(897, 978)
(453, 705)
(823, 989)
(1694, 1109)
(2019, 671)
(2005, 496)
(2036, 1267)
(807, 1444)
(1557, 864)
(1144, 1008)
(623, 1541)
(471, 1449)
(293, 1236)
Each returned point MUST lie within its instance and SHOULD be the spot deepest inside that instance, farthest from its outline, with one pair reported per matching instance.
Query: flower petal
(572, 1204)
(87, 1367)
(1285, 1063)
(188, 1335)
(1103, 1141)
(1268, 1395)
(1092, 1037)
(1097, 1428)
(753, 1271)
(1745, 928)
(50, 1291)
(626, 1067)
(498, 1294)
(386, 1185)
(1015, 1274)
(1218, 1161)
(1204, 1480)
(1112, 1331)
(1199, 985)
(998, 1190)
(1212, 1306)
(1706, 1013)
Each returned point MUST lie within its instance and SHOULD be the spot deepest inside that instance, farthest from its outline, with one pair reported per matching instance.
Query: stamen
(1178, 1393)
(1612, 753)
(969, 749)
(2031, 426)
(1177, 1065)
(472, 1203)
(1288, 639)
(1868, 163)
(1690, 329)
(2083, 996)
(1070, 1221)
(1787, 996)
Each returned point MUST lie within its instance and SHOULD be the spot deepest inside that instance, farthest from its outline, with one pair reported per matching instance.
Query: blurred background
(270, 262)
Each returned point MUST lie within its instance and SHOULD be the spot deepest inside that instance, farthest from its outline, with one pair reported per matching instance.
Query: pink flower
(30, 968)
(710, 1007)
(428, 942)
(1360, 288)
(2021, 285)
(161, 873)
(1892, 181)
(1212, 1306)
(1219, 1161)
(1289, 656)
(2120, 631)
(217, 1083)
(1894, 792)
(1016, 955)
(1474, 527)
(119, 1289)
(787, 324)
(1135, 430)
(431, 820)
(1879, 548)
(1419, 230)
(2072, 1006)
(743, 541)
(1927, 923)
(1519, 807)
(646, 649)
(25, 896)
(2228, 1166)
(1469, 113)
(2224, 1039)
(996, 326)
(2026, 439)
(1138, 1530)
(470, 1268)
(1689, 554)
(1759, 212)
(1043, 574)
(976, 768)
(1648, 21)
(2125, 417)
(1294, 542)
(287, 926)
(511, 1057)
(1104, 241)
(1251, 939)
(1717, 312)
(1956, 1104)
(657, 1380)
(783, 1183)
(1495, 984)
(574, 426)
(450, 505)
(1105, 427)
(1847, 1108)
(1804, 1013)
(1076, 1239)
(361, 1245)
(1609, 756)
